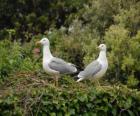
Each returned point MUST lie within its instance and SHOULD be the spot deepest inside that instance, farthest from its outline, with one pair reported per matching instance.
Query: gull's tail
(73, 68)
(80, 79)
(80, 76)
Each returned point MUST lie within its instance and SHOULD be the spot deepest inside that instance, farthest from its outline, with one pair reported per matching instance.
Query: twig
(122, 110)
(39, 104)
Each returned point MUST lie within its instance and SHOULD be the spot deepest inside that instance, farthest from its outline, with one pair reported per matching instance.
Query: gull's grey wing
(91, 69)
(62, 66)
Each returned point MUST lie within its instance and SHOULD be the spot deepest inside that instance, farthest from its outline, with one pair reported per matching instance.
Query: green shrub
(14, 58)
(10, 107)
(75, 30)
(129, 19)
(32, 97)
(10, 57)
(122, 55)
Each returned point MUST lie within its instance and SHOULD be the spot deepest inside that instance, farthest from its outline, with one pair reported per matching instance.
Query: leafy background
(75, 28)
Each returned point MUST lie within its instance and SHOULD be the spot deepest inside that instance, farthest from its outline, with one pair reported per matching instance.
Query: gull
(53, 65)
(97, 68)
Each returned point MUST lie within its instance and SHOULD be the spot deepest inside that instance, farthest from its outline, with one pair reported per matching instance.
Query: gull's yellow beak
(37, 43)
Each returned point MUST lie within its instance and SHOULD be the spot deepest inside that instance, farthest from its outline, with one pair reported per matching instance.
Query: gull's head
(102, 47)
(44, 41)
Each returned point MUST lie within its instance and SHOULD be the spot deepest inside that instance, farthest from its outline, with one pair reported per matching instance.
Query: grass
(22, 82)
(30, 91)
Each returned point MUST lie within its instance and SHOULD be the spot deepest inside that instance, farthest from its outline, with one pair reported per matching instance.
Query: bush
(14, 58)
(9, 59)
(69, 98)
(75, 29)
(122, 61)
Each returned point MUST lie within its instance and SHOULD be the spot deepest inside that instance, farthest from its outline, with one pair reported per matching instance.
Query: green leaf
(72, 111)
(131, 113)
(114, 111)
(53, 114)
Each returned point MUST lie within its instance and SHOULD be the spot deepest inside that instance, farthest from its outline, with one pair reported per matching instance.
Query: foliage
(14, 58)
(75, 28)
(8, 59)
(129, 19)
(32, 17)
(121, 56)
(69, 98)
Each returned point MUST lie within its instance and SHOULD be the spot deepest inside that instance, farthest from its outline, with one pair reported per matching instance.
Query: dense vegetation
(74, 28)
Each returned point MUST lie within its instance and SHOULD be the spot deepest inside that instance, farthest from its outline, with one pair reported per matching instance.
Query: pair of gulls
(53, 65)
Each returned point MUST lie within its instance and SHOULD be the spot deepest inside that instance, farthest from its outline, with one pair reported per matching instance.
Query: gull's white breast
(103, 69)
(47, 68)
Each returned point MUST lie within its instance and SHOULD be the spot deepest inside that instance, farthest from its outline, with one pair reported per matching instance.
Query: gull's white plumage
(97, 68)
(52, 64)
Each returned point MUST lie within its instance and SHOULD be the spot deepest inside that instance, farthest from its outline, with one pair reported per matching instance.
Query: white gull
(97, 68)
(52, 64)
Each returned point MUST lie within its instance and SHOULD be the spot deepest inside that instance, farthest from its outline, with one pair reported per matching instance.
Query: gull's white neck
(46, 53)
(102, 56)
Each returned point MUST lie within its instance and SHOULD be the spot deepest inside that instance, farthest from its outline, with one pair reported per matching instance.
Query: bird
(97, 68)
(54, 65)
